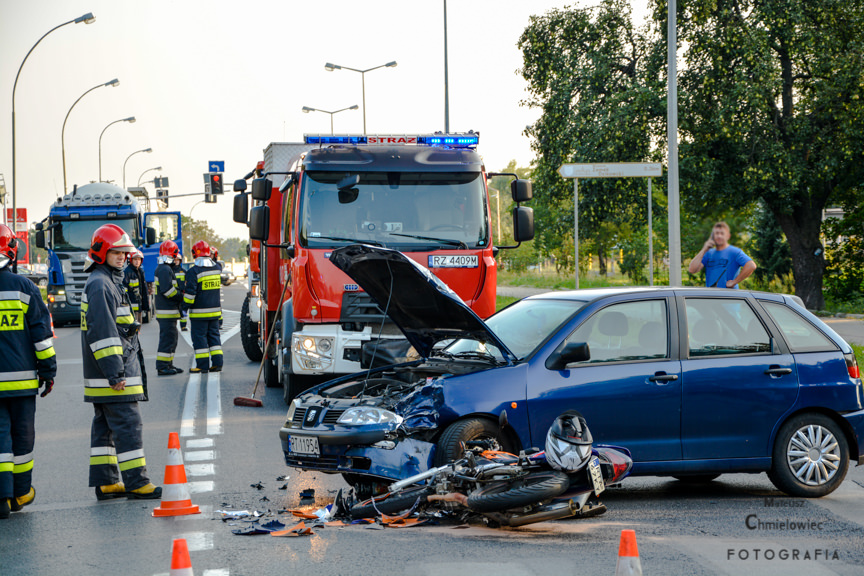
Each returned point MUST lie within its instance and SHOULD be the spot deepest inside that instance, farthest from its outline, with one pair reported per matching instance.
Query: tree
(590, 73)
(195, 230)
(772, 108)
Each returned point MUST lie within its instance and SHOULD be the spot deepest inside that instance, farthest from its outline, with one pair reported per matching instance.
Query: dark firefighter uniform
(28, 362)
(136, 286)
(203, 297)
(169, 297)
(109, 344)
(180, 274)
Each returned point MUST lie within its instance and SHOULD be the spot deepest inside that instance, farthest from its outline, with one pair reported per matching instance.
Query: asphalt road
(680, 529)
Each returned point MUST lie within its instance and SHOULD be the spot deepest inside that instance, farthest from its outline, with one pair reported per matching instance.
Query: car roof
(592, 294)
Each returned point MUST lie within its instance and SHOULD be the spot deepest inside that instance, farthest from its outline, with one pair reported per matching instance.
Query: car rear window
(800, 334)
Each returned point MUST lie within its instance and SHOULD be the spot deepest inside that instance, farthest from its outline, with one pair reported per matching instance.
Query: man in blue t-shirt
(725, 265)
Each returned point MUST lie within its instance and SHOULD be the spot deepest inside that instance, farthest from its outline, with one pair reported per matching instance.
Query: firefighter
(203, 296)
(112, 373)
(169, 298)
(136, 285)
(28, 364)
(181, 282)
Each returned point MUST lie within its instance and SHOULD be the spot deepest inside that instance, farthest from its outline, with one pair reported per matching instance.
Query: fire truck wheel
(247, 337)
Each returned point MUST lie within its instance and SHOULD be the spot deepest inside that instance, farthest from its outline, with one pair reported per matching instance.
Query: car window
(800, 334)
(720, 326)
(626, 331)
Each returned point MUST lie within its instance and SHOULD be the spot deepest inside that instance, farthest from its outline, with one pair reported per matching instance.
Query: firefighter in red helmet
(203, 297)
(169, 299)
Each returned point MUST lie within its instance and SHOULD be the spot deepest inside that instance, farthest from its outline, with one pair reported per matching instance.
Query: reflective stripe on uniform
(202, 353)
(105, 342)
(189, 299)
(205, 312)
(101, 392)
(167, 314)
(103, 382)
(14, 300)
(22, 463)
(164, 357)
(109, 351)
(210, 276)
(45, 354)
(102, 455)
(44, 344)
(134, 283)
(131, 459)
(170, 292)
(135, 307)
(214, 350)
(6, 464)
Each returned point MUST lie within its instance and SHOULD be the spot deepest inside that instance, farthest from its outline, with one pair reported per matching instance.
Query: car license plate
(453, 261)
(304, 445)
(596, 475)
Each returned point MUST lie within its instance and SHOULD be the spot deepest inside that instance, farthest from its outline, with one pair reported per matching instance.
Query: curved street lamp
(307, 109)
(115, 82)
(331, 67)
(148, 150)
(131, 120)
(145, 171)
(87, 18)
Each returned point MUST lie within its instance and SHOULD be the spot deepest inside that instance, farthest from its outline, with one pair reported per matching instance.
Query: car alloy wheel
(813, 455)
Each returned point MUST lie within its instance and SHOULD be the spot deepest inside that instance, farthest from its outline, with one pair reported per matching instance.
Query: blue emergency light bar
(445, 140)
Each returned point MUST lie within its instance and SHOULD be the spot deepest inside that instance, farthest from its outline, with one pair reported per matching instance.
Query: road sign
(611, 170)
(216, 166)
(160, 182)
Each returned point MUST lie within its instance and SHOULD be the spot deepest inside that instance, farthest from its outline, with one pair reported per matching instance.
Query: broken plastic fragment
(257, 486)
(263, 499)
(297, 530)
(232, 514)
(282, 478)
(283, 487)
(307, 493)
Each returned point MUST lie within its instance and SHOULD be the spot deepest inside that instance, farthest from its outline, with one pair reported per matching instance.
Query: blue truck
(70, 224)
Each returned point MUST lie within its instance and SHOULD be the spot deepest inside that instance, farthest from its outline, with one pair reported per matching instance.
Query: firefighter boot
(146, 492)
(4, 508)
(110, 491)
(16, 504)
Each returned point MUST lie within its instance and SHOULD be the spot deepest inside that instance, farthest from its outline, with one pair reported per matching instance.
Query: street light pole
(148, 150)
(87, 19)
(307, 109)
(672, 138)
(446, 79)
(113, 83)
(331, 67)
(131, 120)
(145, 171)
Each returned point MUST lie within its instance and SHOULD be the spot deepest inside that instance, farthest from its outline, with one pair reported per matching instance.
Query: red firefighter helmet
(214, 253)
(8, 245)
(169, 248)
(107, 237)
(201, 249)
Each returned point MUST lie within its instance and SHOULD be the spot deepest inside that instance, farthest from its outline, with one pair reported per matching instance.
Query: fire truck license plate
(304, 445)
(453, 261)
(596, 475)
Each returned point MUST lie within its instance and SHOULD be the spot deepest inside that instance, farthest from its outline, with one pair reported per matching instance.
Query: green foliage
(844, 253)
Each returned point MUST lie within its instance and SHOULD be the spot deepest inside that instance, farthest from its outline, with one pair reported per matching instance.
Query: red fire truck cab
(424, 195)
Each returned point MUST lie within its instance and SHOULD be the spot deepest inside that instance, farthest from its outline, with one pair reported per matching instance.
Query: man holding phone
(726, 266)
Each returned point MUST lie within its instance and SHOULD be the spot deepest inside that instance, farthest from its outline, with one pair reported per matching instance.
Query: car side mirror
(150, 235)
(241, 207)
(40, 239)
(520, 190)
(261, 189)
(523, 223)
(239, 185)
(573, 352)
(259, 223)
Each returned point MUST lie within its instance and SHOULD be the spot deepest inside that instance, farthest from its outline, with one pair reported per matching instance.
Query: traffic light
(216, 184)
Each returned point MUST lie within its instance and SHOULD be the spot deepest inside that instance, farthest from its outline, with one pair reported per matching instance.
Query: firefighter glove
(48, 384)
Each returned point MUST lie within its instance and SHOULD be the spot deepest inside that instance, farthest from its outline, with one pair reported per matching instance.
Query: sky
(218, 80)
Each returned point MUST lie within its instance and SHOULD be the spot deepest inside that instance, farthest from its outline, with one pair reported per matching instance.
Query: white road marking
(214, 404)
(198, 456)
(217, 572)
(190, 405)
(199, 443)
(201, 469)
(201, 486)
(197, 541)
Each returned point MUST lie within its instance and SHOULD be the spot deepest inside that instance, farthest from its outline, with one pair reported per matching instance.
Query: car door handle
(778, 371)
(663, 377)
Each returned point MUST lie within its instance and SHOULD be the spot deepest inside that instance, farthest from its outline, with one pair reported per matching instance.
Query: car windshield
(402, 210)
(75, 235)
(522, 327)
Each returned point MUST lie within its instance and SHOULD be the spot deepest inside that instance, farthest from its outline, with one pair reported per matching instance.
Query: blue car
(696, 382)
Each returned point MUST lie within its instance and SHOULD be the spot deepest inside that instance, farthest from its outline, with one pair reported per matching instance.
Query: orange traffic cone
(181, 565)
(176, 500)
(628, 555)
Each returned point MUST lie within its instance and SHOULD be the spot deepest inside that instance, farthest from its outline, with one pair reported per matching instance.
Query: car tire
(697, 478)
(810, 457)
(391, 504)
(450, 443)
(271, 373)
(249, 341)
(533, 489)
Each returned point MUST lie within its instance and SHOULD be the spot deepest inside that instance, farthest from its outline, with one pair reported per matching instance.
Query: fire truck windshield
(402, 210)
(75, 235)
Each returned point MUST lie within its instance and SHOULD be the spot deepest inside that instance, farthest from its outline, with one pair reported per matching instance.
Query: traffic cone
(628, 555)
(176, 500)
(181, 565)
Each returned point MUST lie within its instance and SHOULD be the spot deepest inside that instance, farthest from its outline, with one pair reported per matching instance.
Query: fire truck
(424, 195)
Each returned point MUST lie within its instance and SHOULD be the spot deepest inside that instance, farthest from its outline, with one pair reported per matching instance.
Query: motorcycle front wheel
(507, 495)
(390, 504)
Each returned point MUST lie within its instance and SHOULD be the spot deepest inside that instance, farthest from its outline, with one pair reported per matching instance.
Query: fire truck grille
(359, 307)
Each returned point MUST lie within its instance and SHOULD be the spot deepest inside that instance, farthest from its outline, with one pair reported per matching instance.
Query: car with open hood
(695, 382)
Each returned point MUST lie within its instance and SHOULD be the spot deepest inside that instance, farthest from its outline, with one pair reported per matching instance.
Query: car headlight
(365, 415)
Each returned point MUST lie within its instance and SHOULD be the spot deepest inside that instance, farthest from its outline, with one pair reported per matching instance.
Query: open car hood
(422, 306)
